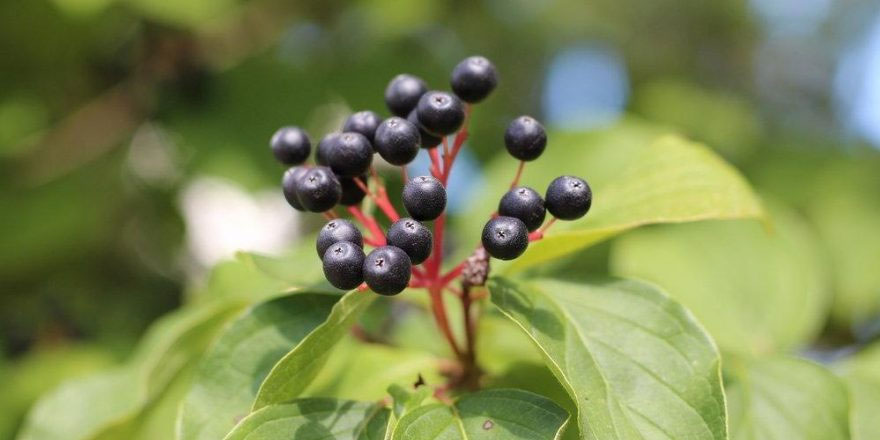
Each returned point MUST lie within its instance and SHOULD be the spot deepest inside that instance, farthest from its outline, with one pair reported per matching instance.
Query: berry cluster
(343, 175)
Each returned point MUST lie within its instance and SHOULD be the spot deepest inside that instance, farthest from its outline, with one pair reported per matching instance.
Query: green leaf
(405, 400)
(862, 377)
(497, 414)
(756, 290)
(784, 398)
(671, 181)
(635, 363)
(314, 419)
(293, 373)
(228, 375)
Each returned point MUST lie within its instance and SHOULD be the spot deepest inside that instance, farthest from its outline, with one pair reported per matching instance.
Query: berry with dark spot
(325, 146)
(568, 198)
(411, 236)
(291, 145)
(318, 189)
(387, 270)
(505, 238)
(351, 156)
(397, 141)
(337, 230)
(424, 198)
(403, 93)
(288, 186)
(525, 138)
(525, 204)
(473, 79)
(363, 122)
(344, 265)
(440, 113)
(352, 194)
(427, 140)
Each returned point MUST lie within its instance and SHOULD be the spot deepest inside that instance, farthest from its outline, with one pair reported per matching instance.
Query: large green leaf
(490, 414)
(862, 377)
(784, 398)
(314, 419)
(756, 290)
(636, 364)
(231, 371)
(293, 373)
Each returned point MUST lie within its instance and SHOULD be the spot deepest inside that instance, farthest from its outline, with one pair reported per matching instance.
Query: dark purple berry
(411, 236)
(525, 204)
(318, 189)
(473, 79)
(351, 156)
(344, 265)
(289, 184)
(397, 141)
(387, 270)
(568, 198)
(424, 198)
(327, 144)
(525, 138)
(352, 194)
(440, 113)
(505, 238)
(337, 230)
(363, 122)
(427, 140)
(403, 93)
(291, 145)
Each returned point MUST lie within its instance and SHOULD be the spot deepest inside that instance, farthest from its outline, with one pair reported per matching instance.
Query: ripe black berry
(363, 122)
(412, 237)
(352, 194)
(397, 141)
(387, 270)
(424, 198)
(440, 113)
(568, 197)
(403, 93)
(288, 186)
(325, 146)
(525, 204)
(318, 189)
(525, 138)
(351, 155)
(291, 145)
(428, 140)
(337, 230)
(505, 238)
(473, 79)
(344, 265)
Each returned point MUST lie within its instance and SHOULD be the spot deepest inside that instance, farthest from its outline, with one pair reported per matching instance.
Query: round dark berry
(327, 144)
(411, 236)
(351, 156)
(473, 79)
(363, 122)
(397, 141)
(525, 204)
(352, 194)
(318, 189)
(525, 138)
(424, 198)
(337, 230)
(505, 238)
(289, 183)
(344, 265)
(440, 113)
(387, 270)
(403, 93)
(568, 197)
(291, 145)
(427, 140)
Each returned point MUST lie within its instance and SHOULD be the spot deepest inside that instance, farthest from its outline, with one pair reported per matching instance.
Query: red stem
(378, 237)
(380, 200)
(519, 171)
(539, 234)
(439, 310)
(437, 169)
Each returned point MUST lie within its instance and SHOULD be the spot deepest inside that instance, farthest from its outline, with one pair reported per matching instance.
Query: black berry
(403, 93)
(525, 138)
(318, 189)
(363, 122)
(440, 113)
(352, 194)
(351, 156)
(473, 79)
(568, 198)
(344, 265)
(337, 230)
(325, 146)
(412, 237)
(397, 141)
(289, 184)
(424, 198)
(505, 238)
(387, 270)
(525, 204)
(428, 140)
(291, 145)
